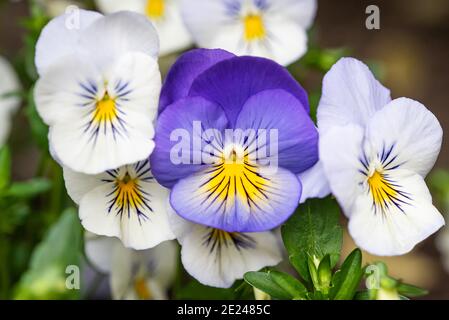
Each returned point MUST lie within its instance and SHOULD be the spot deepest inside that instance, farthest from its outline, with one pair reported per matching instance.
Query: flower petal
(185, 70)
(290, 131)
(301, 11)
(111, 37)
(252, 200)
(398, 228)
(340, 151)
(182, 125)
(217, 258)
(409, 132)
(351, 95)
(60, 38)
(314, 183)
(244, 77)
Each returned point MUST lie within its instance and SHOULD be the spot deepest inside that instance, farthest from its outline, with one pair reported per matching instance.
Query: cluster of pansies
(223, 152)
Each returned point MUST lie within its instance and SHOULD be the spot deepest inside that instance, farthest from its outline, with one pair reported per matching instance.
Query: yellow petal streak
(105, 110)
(128, 194)
(233, 178)
(382, 190)
(142, 290)
(254, 27)
(155, 9)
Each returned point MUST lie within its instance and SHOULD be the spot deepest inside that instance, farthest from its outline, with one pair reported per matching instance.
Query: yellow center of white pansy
(128, 194)
(235, 175)
(142, 289)
(254, 28)
(155, 9)
(105, 110)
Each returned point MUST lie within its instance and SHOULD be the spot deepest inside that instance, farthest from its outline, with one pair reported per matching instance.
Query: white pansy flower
(126, 203)
(9, 84)
(274, 29)
(376, 153)
(218, 258)
(98, 89)
(134, 275)
(165, 15)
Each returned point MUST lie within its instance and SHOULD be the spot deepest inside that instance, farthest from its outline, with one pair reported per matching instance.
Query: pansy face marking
(216, 239)
(128, 195)
(126, 203)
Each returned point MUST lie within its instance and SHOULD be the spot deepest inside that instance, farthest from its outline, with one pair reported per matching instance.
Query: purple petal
(294, 145)
(231, 82)
(176, 126)
(185, 70)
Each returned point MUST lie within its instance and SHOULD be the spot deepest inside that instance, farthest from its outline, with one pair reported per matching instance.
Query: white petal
(107, 39)
(300, 11)
(79, 184)
(287, 41)
(139, 218)
(89, 146)
(399, 228)
(172, 31)
(314, 183)
(122, 273)
(411, 131)
(99, 251)
(61, 36)
(112, 6)
(219, 263)
(340, 150)
(351, 95)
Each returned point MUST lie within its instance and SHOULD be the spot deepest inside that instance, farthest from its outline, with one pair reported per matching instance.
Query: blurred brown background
(413, 49)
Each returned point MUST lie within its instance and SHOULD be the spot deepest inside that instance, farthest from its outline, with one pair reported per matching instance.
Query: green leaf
(5, 167)
(325, 274)
(347, 279)
(61, 247)
(313, 231)
(29, 188)
(411, 290)
(289, 283)
(264, 282)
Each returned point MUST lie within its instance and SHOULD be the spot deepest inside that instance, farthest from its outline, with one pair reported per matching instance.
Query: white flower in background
(376, 153)
(9, 84)
(274, 29)
(126, 203)
(55, 8)
(134, 275)
(98, 89)
(218, 258)
(165, 15)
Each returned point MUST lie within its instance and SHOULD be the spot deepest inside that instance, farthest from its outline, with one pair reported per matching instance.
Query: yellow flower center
(254, 27)
(382, 190)
(105, 110)
(128, 193)
(155, 9)
(234, 176)
(142, 290)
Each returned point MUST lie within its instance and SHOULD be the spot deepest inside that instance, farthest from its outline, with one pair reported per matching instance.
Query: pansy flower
(133, 275)
(165, 15)
(98, 89)
(274, 29)
(218, 258)
(9, 84)
(126, 203)
(232, 135)
(376, 153)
